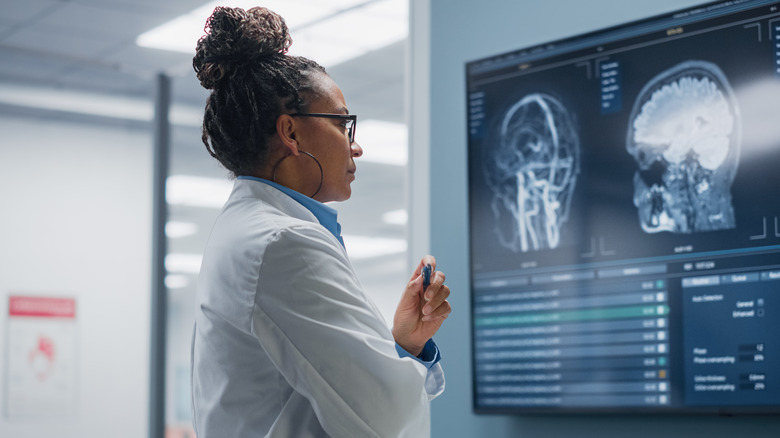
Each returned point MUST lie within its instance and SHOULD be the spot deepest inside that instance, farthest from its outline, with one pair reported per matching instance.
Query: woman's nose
(357, 151)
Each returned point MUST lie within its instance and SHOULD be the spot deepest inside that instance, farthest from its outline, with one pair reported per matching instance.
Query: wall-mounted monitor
(624, 200)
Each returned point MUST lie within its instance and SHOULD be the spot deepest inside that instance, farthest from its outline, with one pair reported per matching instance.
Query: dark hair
(242, 59)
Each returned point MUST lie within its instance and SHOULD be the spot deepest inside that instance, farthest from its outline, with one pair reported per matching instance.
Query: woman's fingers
(437, 282)
(436, 294)
(442, 311)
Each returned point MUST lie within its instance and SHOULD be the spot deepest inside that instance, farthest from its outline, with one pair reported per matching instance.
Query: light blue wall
(462, 31)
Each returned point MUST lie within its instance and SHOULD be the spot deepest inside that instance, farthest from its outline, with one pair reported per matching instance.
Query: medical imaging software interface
(624, 200)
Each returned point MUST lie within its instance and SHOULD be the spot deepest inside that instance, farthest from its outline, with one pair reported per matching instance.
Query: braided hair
(242, 59)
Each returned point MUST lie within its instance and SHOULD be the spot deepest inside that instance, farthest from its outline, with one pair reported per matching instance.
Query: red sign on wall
(41, 357)
(42, 307)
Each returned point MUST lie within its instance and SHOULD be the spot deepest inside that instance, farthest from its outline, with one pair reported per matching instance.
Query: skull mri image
(684, 134)
(532, 173)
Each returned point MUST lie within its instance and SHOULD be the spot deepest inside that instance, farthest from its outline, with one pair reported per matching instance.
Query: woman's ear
(286, 130)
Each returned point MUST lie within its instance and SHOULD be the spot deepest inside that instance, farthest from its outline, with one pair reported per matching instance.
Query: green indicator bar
(574, 315)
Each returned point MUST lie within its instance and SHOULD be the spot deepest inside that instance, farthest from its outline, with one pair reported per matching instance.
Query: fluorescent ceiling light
(174, 229)
(93, 104)
(329, 32)
(173, 281)
(396, 217)
(383, 142)
(362, 247)
(353, 33)
(183, 263)
(197, 191)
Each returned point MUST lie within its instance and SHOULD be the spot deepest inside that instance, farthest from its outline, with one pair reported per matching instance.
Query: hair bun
(238, 37)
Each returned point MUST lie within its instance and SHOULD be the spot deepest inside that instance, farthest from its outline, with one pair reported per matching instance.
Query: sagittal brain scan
(684, 133)
(532, 171)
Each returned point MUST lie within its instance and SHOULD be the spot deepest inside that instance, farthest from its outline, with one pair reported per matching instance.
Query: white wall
(75, 221)
(451, 33)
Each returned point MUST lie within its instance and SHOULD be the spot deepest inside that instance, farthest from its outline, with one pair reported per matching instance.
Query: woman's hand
(420, 314)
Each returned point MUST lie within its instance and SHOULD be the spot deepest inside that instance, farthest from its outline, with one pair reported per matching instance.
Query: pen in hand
(426, 274)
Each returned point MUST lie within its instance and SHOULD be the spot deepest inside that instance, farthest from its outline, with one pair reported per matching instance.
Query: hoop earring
(322, 176)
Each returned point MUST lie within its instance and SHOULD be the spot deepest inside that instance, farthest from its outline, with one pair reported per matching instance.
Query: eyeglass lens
(351, 130)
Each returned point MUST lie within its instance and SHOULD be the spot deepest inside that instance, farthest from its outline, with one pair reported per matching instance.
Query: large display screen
(624, 199)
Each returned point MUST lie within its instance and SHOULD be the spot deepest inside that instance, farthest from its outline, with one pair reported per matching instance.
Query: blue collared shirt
(328, 218)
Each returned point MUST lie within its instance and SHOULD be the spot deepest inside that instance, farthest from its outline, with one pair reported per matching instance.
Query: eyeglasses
(350, 119)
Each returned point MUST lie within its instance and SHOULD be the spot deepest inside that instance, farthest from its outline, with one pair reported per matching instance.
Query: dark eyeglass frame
(351, 127)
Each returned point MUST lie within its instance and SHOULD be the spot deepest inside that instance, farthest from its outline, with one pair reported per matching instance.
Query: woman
(286, 343)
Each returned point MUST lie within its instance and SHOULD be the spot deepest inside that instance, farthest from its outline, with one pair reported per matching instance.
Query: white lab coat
(286, 343)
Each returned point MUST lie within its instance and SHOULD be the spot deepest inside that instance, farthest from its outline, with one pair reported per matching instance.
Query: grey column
(159, 301)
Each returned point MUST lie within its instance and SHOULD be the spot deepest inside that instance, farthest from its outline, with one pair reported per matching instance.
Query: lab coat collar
(327, 216)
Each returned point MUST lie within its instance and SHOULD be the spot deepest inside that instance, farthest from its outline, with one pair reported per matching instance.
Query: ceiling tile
(28, 10)
(167, 8)
(5, 29)
(56, 44)
(99, 22)
(26, 66)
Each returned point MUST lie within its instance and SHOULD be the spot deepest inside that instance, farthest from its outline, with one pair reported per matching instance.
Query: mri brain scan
(684, 133)
(531, 172)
